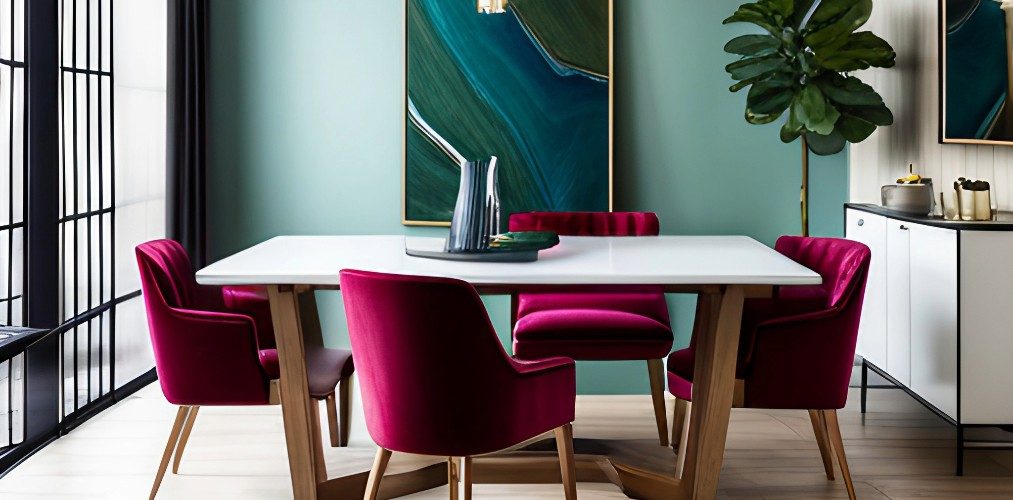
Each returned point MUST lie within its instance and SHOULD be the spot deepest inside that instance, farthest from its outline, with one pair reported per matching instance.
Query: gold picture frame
(943, 48)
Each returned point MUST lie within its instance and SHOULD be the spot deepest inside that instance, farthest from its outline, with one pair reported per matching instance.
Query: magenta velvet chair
(797, 349)
(435, 379)
(613, 323)
(215, 346)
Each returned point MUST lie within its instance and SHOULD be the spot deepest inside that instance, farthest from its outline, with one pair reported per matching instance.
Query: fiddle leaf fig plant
(801, 67)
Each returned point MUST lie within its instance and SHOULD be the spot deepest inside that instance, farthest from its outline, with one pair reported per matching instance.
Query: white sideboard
(938, 312)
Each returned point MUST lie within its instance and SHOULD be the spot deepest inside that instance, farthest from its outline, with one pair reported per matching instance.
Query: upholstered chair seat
(796, 350)
(325, 368)
(598, 333)
(597, 323)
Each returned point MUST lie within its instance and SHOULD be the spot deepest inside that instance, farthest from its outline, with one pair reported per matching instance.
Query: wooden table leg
(719, 319)
(294, 388)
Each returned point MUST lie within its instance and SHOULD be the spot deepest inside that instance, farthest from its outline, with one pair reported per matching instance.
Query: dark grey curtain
(186, 127)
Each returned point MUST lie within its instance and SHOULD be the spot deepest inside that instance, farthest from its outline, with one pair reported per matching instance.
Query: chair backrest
(166, 266)
(432, 372)
(203, 355)
(588, 223)
(840, 262)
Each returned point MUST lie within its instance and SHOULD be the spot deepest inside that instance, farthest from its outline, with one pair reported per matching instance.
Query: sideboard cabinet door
(870, 229)
(934, 315)
(898, 299)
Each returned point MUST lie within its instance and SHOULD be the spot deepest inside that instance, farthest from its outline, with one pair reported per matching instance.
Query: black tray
(426, 248)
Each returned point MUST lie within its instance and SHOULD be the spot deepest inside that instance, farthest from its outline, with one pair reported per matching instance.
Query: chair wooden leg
(656, 372)
(320, 465)
(567, 467)
(187, 429)
(678, 421)
(332, 420)
(834, 430)
(680, 459)
(345, 407)
(376, 474)
(170, 445)
(823, 441)
(467, 471)
(453, 479)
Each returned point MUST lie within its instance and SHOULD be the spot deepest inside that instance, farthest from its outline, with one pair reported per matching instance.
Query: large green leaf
(849, 16)
(793, 126)
(814, 111)
(737, 86)
(789, 134)
(859, 51)
(879, 115)
(761, 119)
(848, 91)
(769, 97)
(779, 8)
(826, 144)
(752, 45)
(855, 129)
(755, 66)
(750, 13)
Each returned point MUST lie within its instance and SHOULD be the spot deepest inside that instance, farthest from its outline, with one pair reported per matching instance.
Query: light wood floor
(900, 451)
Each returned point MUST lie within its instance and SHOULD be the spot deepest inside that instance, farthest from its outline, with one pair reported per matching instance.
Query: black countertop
(1004, 222)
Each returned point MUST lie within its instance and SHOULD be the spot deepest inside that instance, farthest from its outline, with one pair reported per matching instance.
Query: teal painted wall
(306, 131)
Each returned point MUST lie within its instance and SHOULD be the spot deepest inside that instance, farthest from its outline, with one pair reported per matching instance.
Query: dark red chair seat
(591, 334)
(324, 368)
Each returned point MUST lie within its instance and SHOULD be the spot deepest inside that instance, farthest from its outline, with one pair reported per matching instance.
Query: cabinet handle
(861, 222)
(903, 227)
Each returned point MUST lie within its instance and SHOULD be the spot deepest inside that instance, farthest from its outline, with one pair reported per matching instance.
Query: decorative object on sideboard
(968, 201)
(912, 194)
(803, 66)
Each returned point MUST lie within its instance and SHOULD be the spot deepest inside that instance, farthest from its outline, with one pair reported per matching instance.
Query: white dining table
(721, 270)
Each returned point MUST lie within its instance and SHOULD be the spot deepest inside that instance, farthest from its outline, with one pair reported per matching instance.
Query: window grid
(87, 221)
(13, 180)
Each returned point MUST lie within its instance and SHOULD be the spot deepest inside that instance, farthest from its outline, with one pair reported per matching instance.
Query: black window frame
(46, 216)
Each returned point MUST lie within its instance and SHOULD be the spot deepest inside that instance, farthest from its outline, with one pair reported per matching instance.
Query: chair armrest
(802, 361)
(794, 322)
(252, 301)
(206, 357)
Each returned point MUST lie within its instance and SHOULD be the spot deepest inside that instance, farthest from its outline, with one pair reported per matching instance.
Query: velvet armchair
(797, 349)
(215, 347)
(435, 379)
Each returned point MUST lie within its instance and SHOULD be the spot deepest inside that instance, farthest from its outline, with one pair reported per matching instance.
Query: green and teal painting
(977, 69)
(529, 86)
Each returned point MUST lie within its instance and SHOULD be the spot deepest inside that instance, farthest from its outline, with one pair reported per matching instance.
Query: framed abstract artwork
(526, 81)
(975, 71)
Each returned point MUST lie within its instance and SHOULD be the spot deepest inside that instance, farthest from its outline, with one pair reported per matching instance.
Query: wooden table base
(644, 470)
